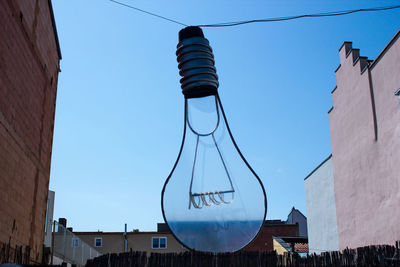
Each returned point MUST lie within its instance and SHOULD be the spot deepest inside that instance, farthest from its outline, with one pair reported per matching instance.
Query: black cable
(327, 14)
(236, 23)
(149, 13)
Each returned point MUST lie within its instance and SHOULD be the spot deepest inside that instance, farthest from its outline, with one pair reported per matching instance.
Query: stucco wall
(366, 164)
(137, 241)
(321, 209)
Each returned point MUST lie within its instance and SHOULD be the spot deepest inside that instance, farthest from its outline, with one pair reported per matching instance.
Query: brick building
(29, 67)
(271, 228)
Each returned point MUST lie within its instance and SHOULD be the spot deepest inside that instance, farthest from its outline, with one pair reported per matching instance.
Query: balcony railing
(70, 248)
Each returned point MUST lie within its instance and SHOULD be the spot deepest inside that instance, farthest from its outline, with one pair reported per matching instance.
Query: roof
(267, 223)
(294, 209)
(300, 244)
(301, 247)
(282, 243)
(293, 239)
(121, 233)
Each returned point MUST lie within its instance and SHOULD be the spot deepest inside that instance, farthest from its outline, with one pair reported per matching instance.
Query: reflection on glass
(212, 200)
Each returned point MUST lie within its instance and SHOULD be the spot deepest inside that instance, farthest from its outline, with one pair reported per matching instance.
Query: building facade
(48, 227)
(295, 216)
(271, 228)
(160, 241)
(69, 249)
(321, 208)
(365, 136)
(29, 67)
(284, 245)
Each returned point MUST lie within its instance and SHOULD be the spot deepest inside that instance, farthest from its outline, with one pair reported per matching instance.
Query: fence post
(65, 239)
(73, 249)
(83, 252)
(52, 242)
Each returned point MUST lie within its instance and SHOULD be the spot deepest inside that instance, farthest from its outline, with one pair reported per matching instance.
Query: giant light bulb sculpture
(212, 200)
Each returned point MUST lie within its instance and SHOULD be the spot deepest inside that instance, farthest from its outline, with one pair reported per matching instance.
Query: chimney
(63, 222)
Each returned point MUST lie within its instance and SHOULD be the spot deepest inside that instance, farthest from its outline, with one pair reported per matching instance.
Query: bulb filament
(206, 199)
(199, 200)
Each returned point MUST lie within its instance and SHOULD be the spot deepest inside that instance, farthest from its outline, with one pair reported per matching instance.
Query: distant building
(286, 244)
(29, 67)
(48, 227)
(67, 248)
(271, 228)
(161, 241)
(364, 168)
(295, 216)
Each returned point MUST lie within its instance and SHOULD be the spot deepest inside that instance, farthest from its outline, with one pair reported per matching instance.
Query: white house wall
(321, 209)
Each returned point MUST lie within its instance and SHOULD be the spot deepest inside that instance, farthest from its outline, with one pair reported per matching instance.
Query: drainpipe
(371, 91)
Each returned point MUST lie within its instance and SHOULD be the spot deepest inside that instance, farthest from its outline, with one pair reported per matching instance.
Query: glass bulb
(212, 201)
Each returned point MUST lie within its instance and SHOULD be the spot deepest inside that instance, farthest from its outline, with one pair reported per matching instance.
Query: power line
(277, 19)
(317, 15)
(149, 13)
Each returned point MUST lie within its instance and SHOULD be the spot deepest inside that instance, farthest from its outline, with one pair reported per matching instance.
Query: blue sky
(119, 116)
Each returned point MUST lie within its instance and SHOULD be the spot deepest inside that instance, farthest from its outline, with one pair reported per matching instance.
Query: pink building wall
(365, 136)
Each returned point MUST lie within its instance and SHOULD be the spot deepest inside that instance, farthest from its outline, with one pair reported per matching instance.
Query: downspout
(371, 91)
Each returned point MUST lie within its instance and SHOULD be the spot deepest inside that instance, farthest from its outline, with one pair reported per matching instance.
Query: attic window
(398, 95)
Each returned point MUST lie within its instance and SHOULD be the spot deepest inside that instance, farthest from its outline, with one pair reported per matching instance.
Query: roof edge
(120, 233)
(387, 47)
(53, 21)
(298, 211)
(322, 163)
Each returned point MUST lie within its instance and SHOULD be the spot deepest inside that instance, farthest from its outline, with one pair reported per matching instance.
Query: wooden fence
(19, 255)
(383, 255)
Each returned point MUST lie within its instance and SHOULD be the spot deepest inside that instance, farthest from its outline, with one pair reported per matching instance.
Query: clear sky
(119, 116)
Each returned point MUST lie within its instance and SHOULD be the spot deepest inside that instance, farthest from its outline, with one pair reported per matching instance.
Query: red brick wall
(263, 242)
(29, 66)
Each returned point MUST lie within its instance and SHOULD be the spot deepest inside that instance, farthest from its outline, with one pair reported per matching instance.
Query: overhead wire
(149, 13)
(316, 15)
(277, 19)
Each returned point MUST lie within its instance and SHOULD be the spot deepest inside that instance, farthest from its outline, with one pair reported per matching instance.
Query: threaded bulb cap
(196, 64)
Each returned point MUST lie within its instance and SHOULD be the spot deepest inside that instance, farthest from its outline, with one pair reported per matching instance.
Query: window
(398, 95)
(158, 242)
(98, 242)
(75, 242)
